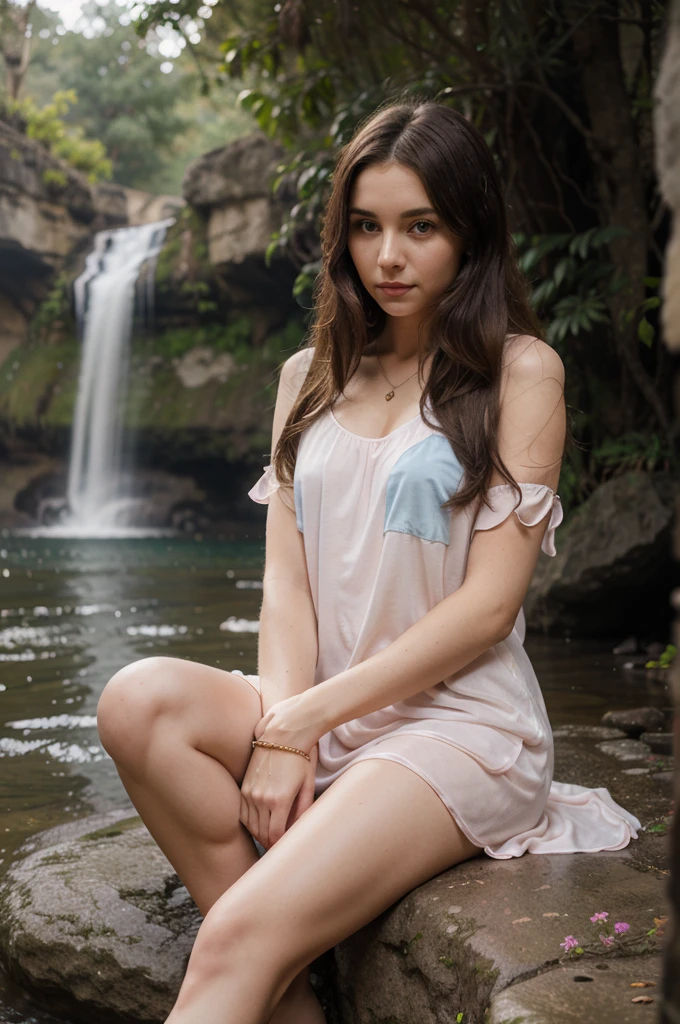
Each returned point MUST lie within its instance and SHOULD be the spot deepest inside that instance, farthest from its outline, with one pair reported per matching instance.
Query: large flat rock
(94, 911)
(97, 913)
(560, 994)
(459, 940)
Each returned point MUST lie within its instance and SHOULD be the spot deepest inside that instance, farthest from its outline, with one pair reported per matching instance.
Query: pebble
(454, 910)
(635, 771)
(592, 732)
(667, 777)
(625, 750)
(659, 742)
(634, 721)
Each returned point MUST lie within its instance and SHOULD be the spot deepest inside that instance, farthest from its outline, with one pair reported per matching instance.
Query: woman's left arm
(500, 564)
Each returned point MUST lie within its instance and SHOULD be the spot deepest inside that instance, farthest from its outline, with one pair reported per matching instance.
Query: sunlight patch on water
(41, 610)
(66, 753)
(235, 625)
(56, 722)
(37, 636)
(156, 630)
(28, 656)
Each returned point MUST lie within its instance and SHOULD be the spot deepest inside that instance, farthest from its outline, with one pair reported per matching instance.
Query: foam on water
(56, 722)
(235, 625)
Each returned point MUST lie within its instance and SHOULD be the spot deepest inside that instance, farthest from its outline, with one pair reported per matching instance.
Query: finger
(244, 813)
(278, 821)
(262, 725)
(304, 801)
(263, 825)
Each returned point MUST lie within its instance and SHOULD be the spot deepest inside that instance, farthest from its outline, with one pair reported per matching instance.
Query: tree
(16, 43)
(562, 92)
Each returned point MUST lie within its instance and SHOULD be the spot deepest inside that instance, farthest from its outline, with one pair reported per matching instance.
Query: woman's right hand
(277, 788)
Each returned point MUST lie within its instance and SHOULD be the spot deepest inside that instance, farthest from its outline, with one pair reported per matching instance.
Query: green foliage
(665, 660)
(234, 337)
(151, 123)
(635, 450)
(55, 310)
(54, 178)
(575, 278)
(282, 343)
(47, 125)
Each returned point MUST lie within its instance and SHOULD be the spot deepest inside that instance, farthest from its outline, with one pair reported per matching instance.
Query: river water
(72, 612)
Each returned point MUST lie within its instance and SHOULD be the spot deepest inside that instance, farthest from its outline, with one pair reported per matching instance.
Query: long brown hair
(486, 302)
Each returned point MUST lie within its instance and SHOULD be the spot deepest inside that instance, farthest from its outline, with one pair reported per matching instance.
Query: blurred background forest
(176, 98)
(164, 169)
(562, 92)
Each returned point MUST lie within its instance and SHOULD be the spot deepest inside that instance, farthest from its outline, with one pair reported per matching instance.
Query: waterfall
(105, 304)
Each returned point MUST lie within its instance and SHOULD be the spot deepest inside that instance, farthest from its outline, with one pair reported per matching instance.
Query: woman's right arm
(278, 786)
(288, 643)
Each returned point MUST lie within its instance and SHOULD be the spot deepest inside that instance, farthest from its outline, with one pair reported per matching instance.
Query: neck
(400, 340)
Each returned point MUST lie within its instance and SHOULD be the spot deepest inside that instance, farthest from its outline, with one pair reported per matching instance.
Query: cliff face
(202, 377)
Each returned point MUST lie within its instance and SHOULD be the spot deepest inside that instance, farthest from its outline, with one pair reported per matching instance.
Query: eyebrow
(407, 213)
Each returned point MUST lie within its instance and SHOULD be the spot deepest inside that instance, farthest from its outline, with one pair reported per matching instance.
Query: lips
(395, 289)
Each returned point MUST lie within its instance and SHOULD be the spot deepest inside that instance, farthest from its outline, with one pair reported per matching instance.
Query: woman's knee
(132, 702)
(233, 933)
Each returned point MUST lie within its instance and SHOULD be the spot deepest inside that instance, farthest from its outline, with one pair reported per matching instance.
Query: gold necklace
(390, 394)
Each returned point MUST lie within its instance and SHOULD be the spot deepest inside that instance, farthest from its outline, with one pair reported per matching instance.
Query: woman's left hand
(288, 722)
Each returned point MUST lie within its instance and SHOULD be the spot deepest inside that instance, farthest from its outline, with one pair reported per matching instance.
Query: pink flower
(606, 940)
(569, 943)
(600, 917)
(621, 926)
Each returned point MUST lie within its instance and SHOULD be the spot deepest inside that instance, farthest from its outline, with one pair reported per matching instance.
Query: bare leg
(179, 733)
(375, 834)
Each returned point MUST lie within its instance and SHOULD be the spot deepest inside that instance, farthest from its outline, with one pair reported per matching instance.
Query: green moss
(113, 830)
(167, 267)
(38, 384)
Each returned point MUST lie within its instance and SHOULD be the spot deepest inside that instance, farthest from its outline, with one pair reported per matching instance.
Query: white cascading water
(105, 304)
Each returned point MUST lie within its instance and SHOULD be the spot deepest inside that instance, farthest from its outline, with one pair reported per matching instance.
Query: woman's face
(395, 236)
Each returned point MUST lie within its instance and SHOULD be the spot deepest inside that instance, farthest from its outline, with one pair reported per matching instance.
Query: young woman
(425, 424)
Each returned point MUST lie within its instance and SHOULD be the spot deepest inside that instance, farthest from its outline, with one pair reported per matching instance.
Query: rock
(627, 646)
(668, 778)
(593, 732)
(625, 750)
(410, 967)
(41, 223)
(98, 896)
(146, 208)
(232, 188)
(582, 991)
(634, 721)
(658, 742)
(99, 915)
(241, 170)
(612, 572)
(635, 771)
(202, 364)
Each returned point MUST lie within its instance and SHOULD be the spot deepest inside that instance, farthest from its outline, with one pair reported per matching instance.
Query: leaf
(643, 984)
(642, 999)
(646, 332)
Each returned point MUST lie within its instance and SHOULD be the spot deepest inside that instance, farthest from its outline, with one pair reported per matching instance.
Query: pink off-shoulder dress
(380, 554)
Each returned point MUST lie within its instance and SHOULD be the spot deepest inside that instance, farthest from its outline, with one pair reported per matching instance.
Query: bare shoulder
(297, 365)
(529, 359)
(529, 362)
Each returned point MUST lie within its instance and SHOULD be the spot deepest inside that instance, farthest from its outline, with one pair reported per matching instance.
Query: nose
(390, 254)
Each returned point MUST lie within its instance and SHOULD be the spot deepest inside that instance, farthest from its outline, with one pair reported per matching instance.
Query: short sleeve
(537, 501)
(265, 486)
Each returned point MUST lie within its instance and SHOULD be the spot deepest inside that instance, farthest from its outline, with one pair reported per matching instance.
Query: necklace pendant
(389, 396)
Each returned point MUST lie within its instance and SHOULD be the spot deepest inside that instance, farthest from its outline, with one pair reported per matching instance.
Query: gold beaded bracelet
(280, 746)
